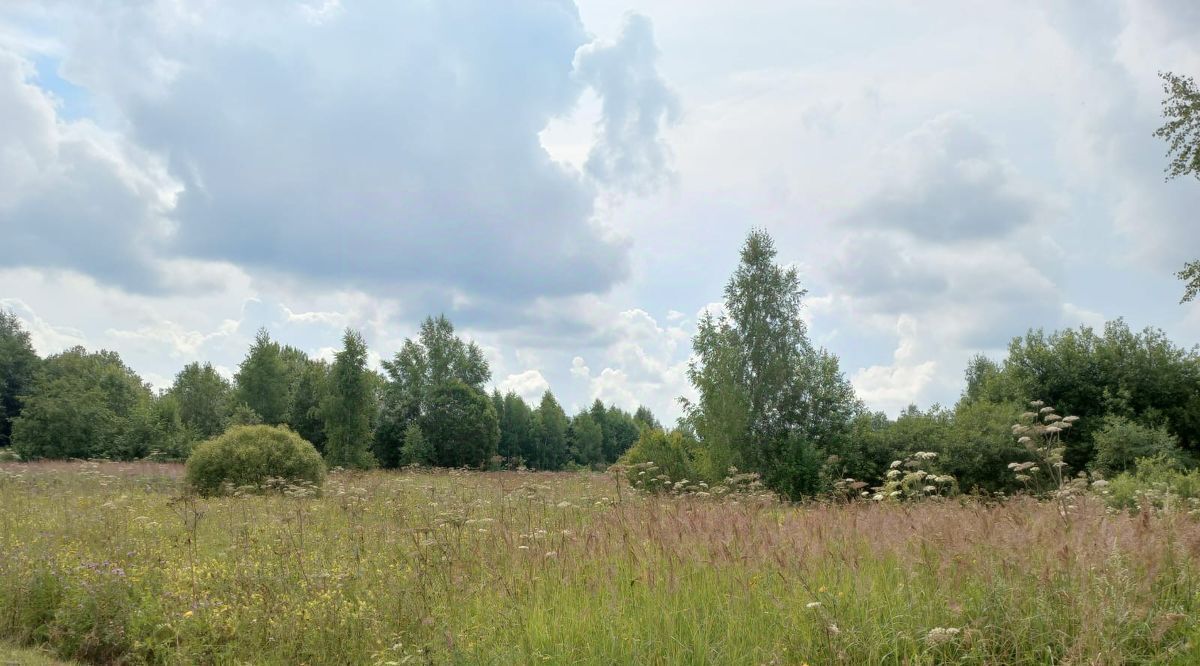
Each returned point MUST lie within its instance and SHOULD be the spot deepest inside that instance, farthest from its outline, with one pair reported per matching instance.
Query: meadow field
(110, 563)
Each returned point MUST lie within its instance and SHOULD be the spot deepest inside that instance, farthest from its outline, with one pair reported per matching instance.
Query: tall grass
(109, 564)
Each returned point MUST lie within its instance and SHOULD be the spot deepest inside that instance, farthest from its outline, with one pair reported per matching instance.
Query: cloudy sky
(569, 182)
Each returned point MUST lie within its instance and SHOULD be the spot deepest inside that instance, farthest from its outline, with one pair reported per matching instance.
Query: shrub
(671, 460)
(1157, 481)
(1120, 441)
(251, 456)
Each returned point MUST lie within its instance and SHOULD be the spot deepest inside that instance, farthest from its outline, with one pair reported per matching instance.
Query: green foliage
(308, 394)
(1120, 442)
(1156, 482)
(250, 456)
(421, 368)
(18, 365)
(586, 440)
(348, 406)
(204, 399)
(155, 430)
(645, 418)
(243, 415)
(768, 401)
(979, 445)
(1142, 376)
(550, 435)
(671, 455)
(460, 426)
(82, 405)
(518, 441)
(262, 380)
(416, 449)
(1181, 131)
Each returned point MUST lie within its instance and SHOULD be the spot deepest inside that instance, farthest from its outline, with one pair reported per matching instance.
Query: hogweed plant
(1042, 430)
(915, 477)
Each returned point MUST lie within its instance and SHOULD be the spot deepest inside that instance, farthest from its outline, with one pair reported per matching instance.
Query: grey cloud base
(384, 146)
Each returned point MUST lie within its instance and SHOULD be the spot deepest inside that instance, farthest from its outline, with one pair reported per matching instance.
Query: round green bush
(251, 455)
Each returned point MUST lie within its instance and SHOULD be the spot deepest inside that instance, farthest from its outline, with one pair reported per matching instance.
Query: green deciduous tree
(645, 418)
(1142, 376)
(435, 358)
(1181, 131)
(305, 414)
(517, 437)
(262, 380)
(416, 449)
(460, 425)
(204, 399)
(348, 406)
(81, 405)
(18, 363)
(586, 440)
(768, 401)
(550, 432)
(1120, 442)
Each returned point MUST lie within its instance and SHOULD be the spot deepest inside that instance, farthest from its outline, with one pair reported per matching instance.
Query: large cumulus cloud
(378, 144)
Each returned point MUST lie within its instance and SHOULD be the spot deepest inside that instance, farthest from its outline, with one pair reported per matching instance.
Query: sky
(570, 182)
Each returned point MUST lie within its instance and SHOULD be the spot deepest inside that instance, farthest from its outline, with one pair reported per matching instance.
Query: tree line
(768, 402)
(772, 403)
(429, 406)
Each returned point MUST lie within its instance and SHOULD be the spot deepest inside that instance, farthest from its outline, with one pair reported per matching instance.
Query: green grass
(15, 656)
(106, 564)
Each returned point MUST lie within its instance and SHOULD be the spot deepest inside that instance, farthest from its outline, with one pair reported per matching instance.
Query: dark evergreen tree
(18, 364)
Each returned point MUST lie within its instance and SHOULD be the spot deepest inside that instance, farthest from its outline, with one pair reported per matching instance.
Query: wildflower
(878, 497)
(812, 605)
(1053, 429)
(564, 504)
(1024, 440)
(1099, 483)
(941, 634)
(896, 464)
(1070, 419)
(833, 629)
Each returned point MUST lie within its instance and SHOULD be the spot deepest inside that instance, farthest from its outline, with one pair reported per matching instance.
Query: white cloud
(530, 385)
(893, 387)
